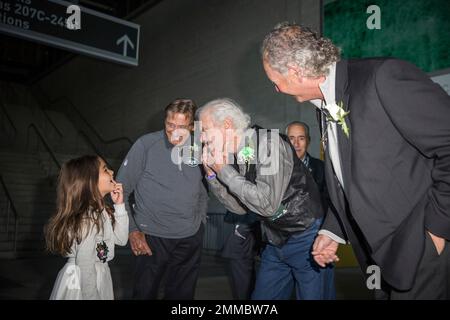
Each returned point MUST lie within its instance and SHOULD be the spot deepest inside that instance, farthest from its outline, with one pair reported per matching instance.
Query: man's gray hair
(299, 123)
(223, 108)
(290, 45)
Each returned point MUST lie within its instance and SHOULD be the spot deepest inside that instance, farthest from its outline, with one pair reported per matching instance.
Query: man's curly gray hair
(223, 108)
(290, 45)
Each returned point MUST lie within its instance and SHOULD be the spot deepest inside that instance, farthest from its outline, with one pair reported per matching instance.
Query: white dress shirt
(328, 90)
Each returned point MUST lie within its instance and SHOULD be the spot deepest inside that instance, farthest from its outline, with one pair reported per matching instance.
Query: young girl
(85, 229)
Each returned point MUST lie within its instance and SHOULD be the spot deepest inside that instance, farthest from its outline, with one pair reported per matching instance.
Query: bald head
(298, 133)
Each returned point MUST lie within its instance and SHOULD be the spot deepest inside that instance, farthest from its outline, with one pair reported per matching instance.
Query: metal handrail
(121, 138)
(8, 117)
(13, 208)
(46, 145)
(47, 117)
(92, 145)
(50, 120)
(87, 123)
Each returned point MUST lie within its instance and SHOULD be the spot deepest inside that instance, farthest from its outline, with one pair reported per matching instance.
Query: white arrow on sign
(126, 41)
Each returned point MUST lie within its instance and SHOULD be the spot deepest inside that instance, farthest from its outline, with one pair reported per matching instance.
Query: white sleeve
(332, 236)
(121, 226)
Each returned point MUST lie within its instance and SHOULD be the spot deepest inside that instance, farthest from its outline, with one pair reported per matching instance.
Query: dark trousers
(241, 249)
(432, 279)
(243, 275)
(180, 258)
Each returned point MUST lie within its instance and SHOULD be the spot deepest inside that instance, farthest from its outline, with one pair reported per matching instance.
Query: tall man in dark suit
(387, 143)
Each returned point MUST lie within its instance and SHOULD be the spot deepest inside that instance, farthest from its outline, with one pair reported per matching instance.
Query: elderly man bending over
(258, 171)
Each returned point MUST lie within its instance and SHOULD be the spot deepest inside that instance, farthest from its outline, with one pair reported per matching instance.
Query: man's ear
(294, 74)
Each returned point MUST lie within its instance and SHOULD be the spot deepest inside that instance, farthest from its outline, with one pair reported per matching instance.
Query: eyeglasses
(276, 87)
(173, 126)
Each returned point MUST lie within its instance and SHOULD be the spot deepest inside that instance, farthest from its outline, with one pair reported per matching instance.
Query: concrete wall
(202, 49)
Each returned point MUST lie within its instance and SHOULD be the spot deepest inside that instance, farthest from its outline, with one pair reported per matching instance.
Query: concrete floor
(33, 278)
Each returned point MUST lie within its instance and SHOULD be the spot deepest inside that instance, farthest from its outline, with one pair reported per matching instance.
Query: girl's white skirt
(68, 282)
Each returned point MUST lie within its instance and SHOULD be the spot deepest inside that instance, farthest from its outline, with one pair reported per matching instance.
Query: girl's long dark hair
(79, 205)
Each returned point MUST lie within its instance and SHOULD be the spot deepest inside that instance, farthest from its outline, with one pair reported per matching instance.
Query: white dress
(86, 275)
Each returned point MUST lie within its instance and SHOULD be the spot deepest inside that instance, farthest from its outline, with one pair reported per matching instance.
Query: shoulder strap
(250, 175)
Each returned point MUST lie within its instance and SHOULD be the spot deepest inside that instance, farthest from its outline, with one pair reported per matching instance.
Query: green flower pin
(338, 114)
(246, 155)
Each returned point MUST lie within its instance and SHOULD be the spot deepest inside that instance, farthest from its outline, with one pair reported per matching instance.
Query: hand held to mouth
(211, 162)
(117, 193)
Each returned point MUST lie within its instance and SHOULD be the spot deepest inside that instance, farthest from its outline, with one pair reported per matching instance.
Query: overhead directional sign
(76, 28)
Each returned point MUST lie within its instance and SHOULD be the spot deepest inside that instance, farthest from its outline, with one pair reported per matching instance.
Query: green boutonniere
(338, 114)
(246, 155)
(341, 121)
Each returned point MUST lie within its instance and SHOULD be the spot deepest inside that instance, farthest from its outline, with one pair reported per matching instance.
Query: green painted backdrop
(414, 30)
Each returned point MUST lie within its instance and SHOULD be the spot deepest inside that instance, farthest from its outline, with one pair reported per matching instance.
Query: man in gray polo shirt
(169, 208)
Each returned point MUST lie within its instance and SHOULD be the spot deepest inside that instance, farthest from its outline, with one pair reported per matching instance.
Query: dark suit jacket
(396, 165)
(318, 172)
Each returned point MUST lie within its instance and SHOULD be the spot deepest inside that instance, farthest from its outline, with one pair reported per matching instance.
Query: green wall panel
(413, 30)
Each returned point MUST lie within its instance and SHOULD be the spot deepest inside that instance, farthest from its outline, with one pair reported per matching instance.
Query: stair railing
(41, 140)
(10, 208)
(94, 147)
(73, 112)
(41, 117)
(6, 124)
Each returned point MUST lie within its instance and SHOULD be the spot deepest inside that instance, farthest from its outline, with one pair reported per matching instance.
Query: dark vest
(300, 206)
